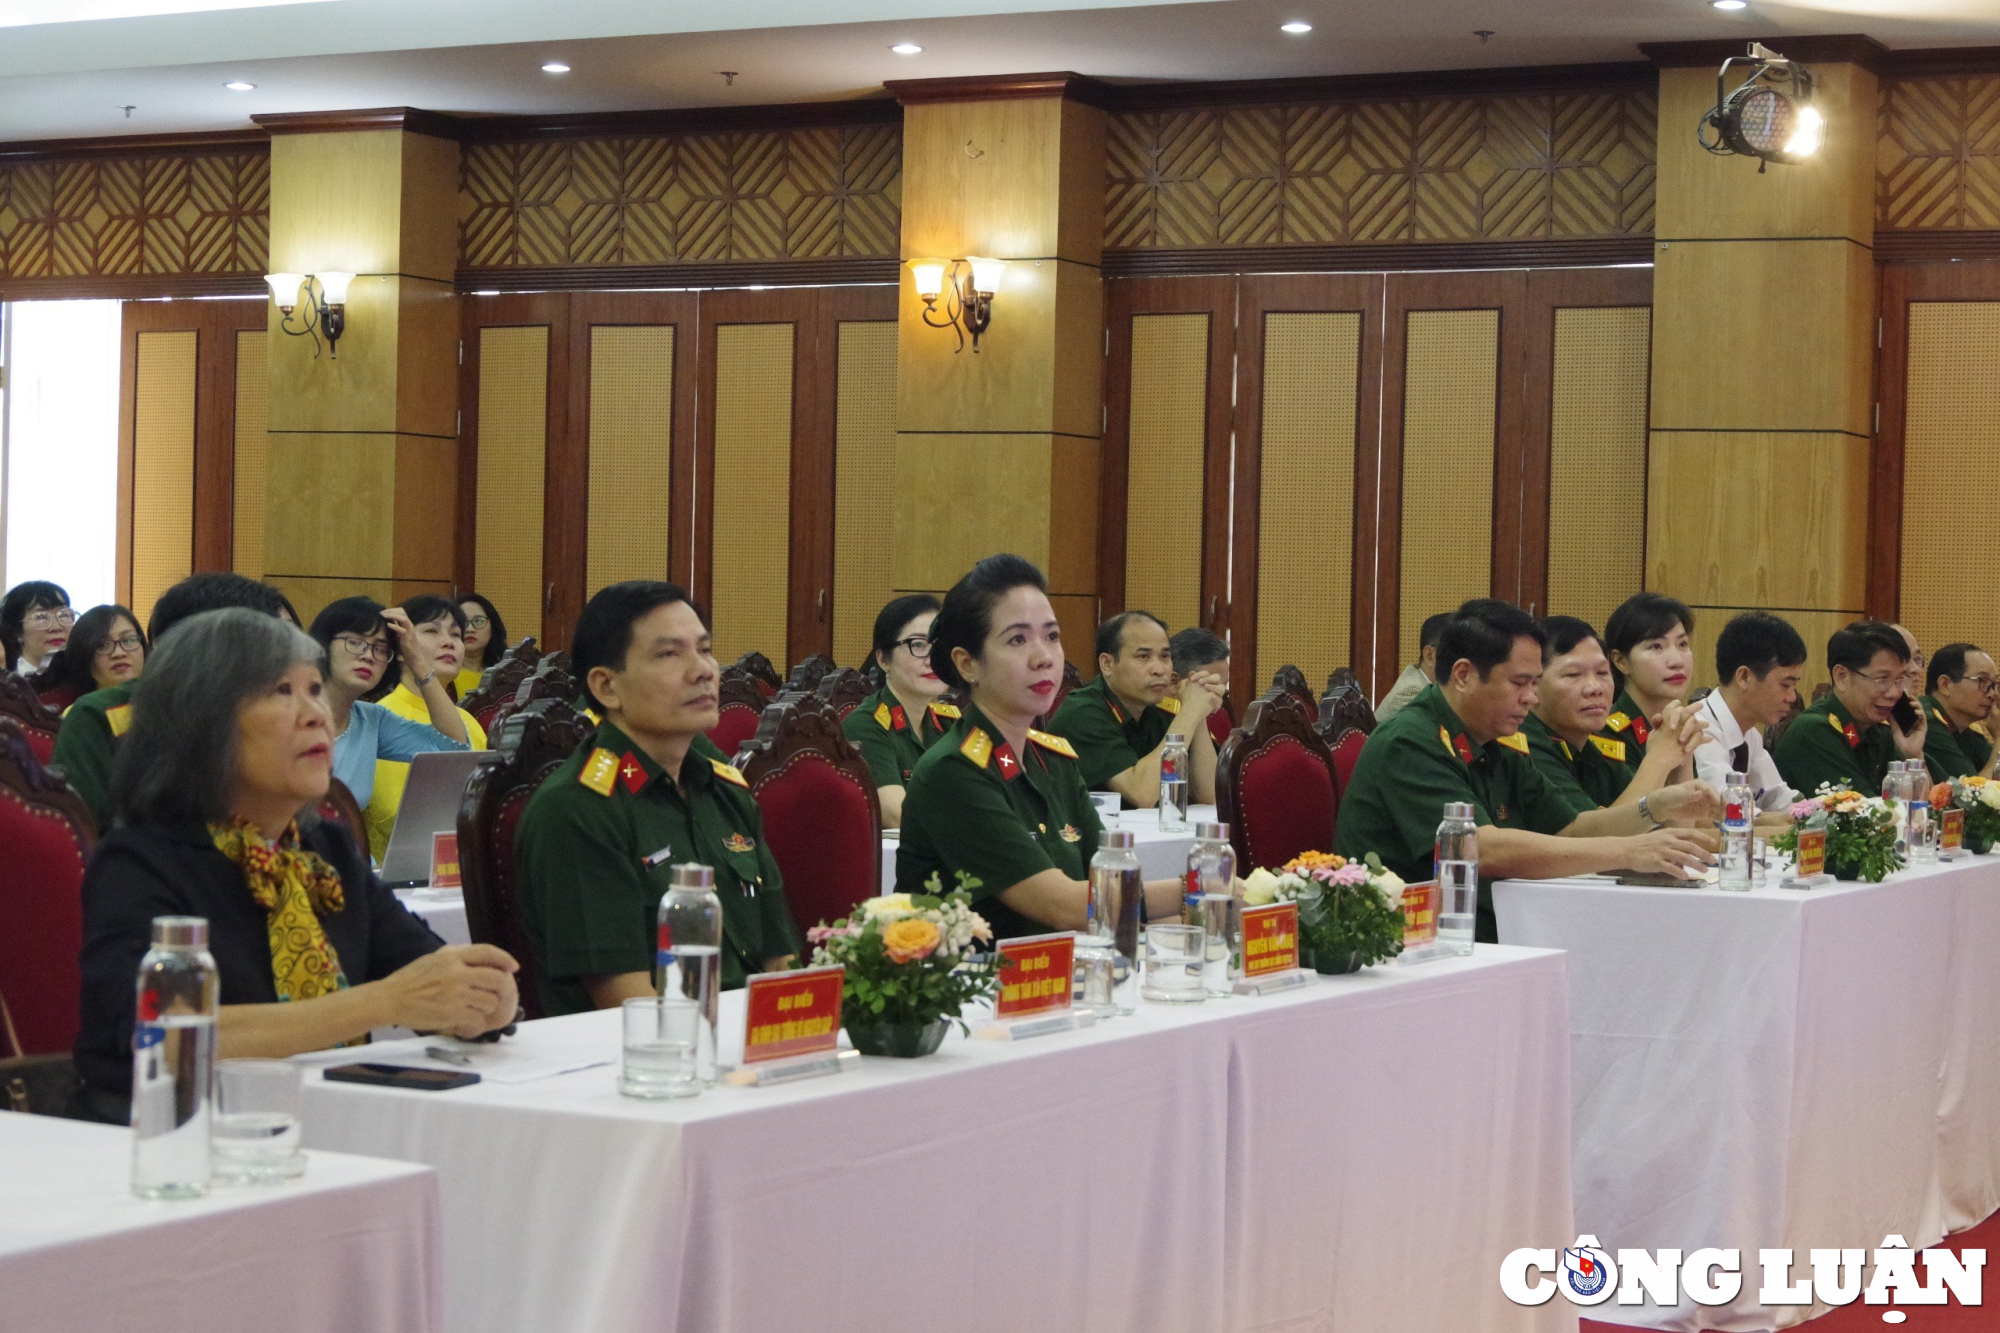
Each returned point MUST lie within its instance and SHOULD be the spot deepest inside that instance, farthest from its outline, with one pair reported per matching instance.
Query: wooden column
(1763, 407)
(363, 446)
(998, 450)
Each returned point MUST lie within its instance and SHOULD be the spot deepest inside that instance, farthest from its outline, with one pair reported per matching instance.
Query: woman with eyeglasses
(106, 648)
(35, 620)
(485, 641)
(895, 725)
(361, 660)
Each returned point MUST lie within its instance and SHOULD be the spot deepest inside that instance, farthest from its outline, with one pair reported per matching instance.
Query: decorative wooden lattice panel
(133, 216)
(1937, 157)
(790, 194)
(1427, 169)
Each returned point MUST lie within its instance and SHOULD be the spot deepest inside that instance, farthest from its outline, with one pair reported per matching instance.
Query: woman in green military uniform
(895, 725)
(1652, 662)
(993, 798)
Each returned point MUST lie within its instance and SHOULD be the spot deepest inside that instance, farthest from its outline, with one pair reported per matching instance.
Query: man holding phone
(1850, 736)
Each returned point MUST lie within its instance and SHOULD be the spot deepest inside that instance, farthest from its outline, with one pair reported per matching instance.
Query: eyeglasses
(916, 645)
(1882, 682)
(127, 644)
(60, 617)
(1984, 684)
(361, 649)
(477, 622)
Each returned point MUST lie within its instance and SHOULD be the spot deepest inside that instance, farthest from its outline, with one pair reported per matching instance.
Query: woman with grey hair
(230, 748)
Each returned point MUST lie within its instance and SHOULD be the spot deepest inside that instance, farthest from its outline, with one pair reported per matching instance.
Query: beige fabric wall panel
(162, 466)
(1597, 459)
(753, 487)
(631, 434)
(864, 502)
(1450, 382)
(513, 447)
(253, 446)
(1167, 440)
(1305, 507)
(1951, 441)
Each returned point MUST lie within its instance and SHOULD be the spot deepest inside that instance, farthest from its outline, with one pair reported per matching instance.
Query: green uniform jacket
(1417, 761)
(590, 900)
(1949, 754)
(88, 742)
(892, 741)
(1825, 744)
(1589, 778)
(976, 806)
(1107, 738)
(1628, 726)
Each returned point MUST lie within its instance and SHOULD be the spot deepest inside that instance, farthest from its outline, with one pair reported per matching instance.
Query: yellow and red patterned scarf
(294, 886)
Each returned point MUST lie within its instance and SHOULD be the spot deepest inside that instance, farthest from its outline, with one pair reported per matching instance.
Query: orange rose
(1305, 862)
(908, 940)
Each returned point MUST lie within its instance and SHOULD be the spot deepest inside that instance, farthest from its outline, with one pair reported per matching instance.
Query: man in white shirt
(1419, 675)
(1759, 659)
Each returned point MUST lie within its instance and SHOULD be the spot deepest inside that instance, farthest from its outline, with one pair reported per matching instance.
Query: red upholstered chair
(806, 676)
(1344, 707)
(48, 836)
(842, 689)
(55, 697)
(759, 669)
(1293, 681)
(1274, 784)
(531, 745)
(1346, 753)
(548, 681)
(1220, 723)
(741, 699)
(496, 689)
(38, 723)
(338, 806)
(820, 813)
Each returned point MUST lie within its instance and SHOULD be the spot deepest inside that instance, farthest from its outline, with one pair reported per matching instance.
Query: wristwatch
(1646, 812)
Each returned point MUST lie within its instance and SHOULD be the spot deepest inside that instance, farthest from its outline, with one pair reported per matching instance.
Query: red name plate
(1035, 974)
(791, 1013)
(1420, 913)
(1812, 853)
(1952, 834)
(444, 861)
(1270, 939)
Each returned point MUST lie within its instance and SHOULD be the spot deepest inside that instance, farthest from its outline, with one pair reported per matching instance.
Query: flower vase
(1334, 962)
(905, 1041)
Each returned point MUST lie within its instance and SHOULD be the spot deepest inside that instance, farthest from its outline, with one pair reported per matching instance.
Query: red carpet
(1953, 1318)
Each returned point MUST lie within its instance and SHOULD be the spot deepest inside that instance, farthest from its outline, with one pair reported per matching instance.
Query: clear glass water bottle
(689, 958)
(1173, 785)
(1117, 908)
(1210, 902)
(173, 1061)
(1456, 856)
(1896, 791)
(1922, 821)
(1738, 805)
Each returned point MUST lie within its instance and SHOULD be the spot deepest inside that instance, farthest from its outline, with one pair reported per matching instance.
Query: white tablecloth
(353, 1247)
(1778, 1069)
(1371, 1145)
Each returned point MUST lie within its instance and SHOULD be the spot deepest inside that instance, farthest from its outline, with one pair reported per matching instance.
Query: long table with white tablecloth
(1777, 1069)
(1360, 1153)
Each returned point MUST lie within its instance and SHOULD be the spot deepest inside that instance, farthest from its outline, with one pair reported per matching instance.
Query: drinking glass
(660, 1035)
(1096, 979)
(255, 1134)
(1173, 967)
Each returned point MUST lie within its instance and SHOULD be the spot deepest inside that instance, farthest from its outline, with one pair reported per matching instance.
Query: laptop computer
(431, 798)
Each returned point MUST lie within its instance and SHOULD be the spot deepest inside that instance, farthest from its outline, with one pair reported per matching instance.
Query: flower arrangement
(907, 970)
(1980, 799)
(1350, 912)
(1860, 833)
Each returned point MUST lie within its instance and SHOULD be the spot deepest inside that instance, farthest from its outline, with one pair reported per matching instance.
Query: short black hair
(73, 665)
(900, 611)
(34, 595)
(1111, 634)
(1760, 641)
(496, 631)
(1565, 633)
(363, 616)
(1432, 631)
(603, 634)
(1194, 648)
(1948, 661)
(428, 606)
(286, 611)
(1482, 632)
(213, 591)
(1643, 616)
(967, 613)
(1855, 646)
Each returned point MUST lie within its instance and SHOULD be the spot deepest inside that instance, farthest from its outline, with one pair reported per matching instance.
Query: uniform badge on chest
(1069, 833)
(738, 843)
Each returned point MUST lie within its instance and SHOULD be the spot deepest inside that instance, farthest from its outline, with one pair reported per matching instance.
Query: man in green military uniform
(1958, 711)
(647, 792)
(1118, 724)
(87, 745)
(1459, 741)
(1847, 737)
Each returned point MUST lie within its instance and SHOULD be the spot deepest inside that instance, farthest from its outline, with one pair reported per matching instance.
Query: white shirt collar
(1723, 721)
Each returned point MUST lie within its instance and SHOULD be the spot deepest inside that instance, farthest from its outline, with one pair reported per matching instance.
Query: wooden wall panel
(1166, 461)
(163, 466)
(1952, 432)
(139, 216)
(864, 498)
(631, 416)
(1597, 463)
(754, 367)
(514, 393)
(252, 453)
(1938, 153)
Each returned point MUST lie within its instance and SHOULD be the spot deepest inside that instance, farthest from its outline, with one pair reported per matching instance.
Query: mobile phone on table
(403, 1076)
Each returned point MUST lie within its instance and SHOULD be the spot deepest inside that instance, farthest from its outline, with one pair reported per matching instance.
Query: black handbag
(33, 1084)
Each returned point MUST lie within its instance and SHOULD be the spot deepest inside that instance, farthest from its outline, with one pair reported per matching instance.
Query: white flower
(886, 906)
(1391, 886)
(1260, 887)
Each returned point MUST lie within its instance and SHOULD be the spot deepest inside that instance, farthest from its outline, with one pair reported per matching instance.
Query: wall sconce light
(324, 297)
(967, 286)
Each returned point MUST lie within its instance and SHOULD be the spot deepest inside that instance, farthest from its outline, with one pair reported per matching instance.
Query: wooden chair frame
(1276, 713)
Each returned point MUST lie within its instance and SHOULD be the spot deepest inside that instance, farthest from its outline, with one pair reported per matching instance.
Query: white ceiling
(61, 79)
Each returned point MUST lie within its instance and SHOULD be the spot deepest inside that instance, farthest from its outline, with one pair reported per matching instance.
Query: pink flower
(1803, 809)
(1351, 873)
(821, 934)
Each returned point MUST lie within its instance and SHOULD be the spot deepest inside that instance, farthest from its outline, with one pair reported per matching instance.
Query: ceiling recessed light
(1297, 27)
(907, 49)
(554, 67)
(1730, 4)
(240, 86)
